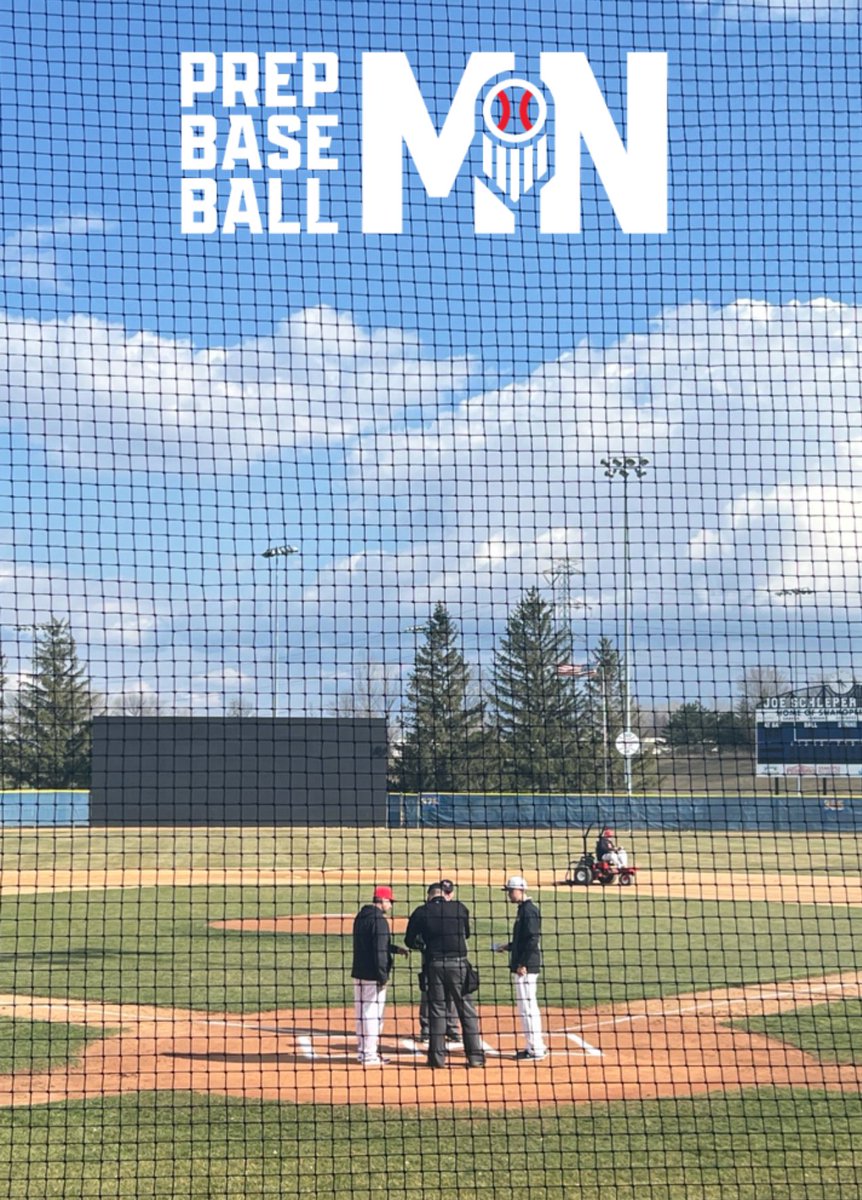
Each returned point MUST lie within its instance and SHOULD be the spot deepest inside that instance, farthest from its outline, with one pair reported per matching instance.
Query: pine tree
(603, 720)
(51, 724)
(691, 725)
(443, 740)
(536, 710)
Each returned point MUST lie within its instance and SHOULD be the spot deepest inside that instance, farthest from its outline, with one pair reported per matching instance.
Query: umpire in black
(440, 930)
(413, 939)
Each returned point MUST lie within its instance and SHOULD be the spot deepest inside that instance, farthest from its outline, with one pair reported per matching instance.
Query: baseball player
(373, 953)
(525, 959)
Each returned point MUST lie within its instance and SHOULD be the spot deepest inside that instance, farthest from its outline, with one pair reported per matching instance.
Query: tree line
(537, 728)
(543, 723)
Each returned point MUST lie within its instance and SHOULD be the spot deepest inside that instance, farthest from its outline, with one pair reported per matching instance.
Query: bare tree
(755, 685)
(239, 707)
(759, 683)
(374, 690)
(135, 704)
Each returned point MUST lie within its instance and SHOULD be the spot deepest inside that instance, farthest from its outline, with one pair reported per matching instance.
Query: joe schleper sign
(260, 137)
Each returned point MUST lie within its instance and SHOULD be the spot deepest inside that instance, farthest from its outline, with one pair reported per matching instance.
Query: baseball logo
(515, 112)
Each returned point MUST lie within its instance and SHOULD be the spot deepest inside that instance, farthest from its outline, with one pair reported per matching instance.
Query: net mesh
(430, 744)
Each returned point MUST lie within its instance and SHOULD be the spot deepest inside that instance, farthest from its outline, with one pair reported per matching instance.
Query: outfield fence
(434, 810)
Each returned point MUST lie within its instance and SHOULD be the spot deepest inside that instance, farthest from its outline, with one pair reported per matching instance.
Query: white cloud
(728, 404)
(102, 397)
(793, 536)
(750, 416)
(41, 252)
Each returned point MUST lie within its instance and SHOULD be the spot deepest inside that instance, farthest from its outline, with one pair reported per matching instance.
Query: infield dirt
(672, 1046)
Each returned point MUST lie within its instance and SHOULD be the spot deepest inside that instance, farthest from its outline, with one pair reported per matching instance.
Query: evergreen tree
(443, 740)
(694, 726)
(691, 725)
(536, 708)
(53, 713)
(603, 720)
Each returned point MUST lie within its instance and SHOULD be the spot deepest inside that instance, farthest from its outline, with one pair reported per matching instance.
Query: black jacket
(439, 929)
(372, 949)
(524, 948)
(603, 846)
(413, 939)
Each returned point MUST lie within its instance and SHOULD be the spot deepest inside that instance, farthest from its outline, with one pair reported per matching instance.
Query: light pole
(276, 553)
(623, 468)
(796, 593)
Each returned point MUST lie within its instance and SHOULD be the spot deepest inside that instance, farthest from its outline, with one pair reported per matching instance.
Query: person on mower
(608, 851)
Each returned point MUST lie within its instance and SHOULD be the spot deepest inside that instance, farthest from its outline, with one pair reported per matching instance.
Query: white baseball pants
(528, 1011)
(369, 1002)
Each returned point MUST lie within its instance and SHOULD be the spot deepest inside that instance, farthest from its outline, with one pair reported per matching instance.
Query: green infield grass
(37, 1045)
(163, 1147)
(831, 1032)
(156, 946)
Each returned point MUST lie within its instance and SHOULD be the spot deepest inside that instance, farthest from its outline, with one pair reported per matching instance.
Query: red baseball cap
(383, 893)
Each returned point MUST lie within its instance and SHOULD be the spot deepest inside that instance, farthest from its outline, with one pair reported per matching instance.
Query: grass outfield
(754, 1145)
(429, 852)
(156, 946)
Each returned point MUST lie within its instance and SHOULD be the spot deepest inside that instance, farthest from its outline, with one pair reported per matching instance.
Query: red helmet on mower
(607, 833)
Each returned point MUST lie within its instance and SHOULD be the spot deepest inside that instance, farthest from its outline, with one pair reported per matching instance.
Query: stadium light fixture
(276, 552)
(625, 467)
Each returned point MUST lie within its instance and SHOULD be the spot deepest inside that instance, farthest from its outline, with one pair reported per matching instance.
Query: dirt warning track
(673, 1046)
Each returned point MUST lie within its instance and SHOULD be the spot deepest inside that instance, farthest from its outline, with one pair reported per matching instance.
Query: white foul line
(591, 1051)
(303, 1043)
(690, 1008)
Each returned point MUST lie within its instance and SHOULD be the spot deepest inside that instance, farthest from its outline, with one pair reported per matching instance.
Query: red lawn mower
(589, 869)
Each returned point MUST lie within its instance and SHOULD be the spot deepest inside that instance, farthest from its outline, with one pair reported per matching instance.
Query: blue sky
(422, 414)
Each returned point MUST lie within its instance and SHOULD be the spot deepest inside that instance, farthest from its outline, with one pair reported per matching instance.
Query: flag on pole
(575, 670)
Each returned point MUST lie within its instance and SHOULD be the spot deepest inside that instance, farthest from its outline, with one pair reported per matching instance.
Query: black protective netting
(430, 724)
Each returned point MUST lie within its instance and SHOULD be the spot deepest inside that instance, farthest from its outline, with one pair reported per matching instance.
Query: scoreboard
(813, 731)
